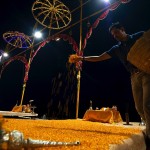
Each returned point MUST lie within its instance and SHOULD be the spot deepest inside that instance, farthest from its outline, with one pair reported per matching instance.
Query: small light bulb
(57, 39)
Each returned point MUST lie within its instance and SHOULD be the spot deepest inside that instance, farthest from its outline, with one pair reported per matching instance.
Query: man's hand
(75, 58)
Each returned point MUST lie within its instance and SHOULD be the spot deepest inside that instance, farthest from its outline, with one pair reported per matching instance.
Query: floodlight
(5, 54)
(38, 34)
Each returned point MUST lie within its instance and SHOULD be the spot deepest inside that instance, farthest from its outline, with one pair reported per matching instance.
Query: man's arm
(103, 56)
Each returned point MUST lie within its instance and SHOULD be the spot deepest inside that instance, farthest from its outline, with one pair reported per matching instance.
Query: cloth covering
(103, 115)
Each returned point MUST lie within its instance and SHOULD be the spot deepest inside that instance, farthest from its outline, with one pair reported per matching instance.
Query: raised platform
(91, 135)
(17, 114)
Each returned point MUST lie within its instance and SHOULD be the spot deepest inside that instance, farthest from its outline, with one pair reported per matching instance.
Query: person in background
(140, 81)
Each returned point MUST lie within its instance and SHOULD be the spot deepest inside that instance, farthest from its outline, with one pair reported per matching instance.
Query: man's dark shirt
(122, 48)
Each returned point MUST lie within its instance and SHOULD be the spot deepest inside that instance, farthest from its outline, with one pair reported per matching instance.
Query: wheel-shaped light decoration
(17, 39)
(52, 14)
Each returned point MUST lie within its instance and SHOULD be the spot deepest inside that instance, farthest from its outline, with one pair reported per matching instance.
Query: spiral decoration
(17, 39)
(52, 14)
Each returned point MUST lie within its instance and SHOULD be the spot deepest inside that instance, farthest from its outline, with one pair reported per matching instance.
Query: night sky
(105, 83)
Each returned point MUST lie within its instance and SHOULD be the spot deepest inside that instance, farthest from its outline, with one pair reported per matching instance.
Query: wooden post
(79, 72)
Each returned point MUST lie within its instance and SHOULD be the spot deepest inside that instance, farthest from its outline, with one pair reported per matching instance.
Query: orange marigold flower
(72, 58)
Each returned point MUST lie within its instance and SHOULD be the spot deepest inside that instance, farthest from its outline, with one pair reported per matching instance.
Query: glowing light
(5, 54)
(2, 53)
(38, 34)
(106, 1)
(57, 38)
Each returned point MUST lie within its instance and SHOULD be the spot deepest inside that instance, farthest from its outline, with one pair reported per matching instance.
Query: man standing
(140, 81)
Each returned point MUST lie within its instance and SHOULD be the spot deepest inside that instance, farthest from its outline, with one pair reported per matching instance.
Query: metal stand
(33, 108)
(142, 123)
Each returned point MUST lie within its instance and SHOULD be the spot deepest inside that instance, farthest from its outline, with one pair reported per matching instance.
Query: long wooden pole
(27, 71)
(79, 72)
(25, 82)
(29, 63)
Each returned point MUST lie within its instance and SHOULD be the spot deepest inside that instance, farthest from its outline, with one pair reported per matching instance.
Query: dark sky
(105, 83)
